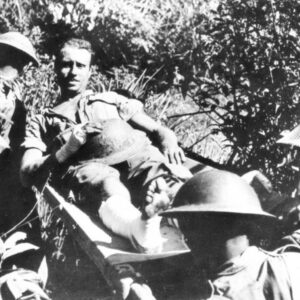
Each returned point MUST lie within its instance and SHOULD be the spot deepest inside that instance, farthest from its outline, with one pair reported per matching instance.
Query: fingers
(175, 155)
(181, 155)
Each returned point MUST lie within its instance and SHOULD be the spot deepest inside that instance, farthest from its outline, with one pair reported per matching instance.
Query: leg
(122, 217)
(100, 185)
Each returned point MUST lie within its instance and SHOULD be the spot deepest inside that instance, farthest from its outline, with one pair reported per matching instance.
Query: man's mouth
(72, 82)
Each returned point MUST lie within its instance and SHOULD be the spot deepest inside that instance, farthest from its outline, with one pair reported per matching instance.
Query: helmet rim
(216, 191)
(195, 209)
(18, 41)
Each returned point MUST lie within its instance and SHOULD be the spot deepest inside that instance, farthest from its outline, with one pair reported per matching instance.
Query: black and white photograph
(149, 150)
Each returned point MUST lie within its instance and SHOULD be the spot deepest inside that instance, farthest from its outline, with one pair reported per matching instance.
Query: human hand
(174, 154)
(168, 144)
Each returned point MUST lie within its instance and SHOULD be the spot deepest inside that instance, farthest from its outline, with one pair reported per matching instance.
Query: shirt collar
(250, 256)
(78, 98)
(81, 97)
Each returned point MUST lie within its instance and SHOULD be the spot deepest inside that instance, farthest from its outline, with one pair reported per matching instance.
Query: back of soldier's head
(220, 203)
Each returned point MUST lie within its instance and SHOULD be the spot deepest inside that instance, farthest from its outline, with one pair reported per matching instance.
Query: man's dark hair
(75, 43)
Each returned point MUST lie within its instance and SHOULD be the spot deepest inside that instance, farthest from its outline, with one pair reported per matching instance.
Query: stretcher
(113, 255)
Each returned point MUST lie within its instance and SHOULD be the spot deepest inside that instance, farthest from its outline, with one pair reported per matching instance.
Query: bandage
(76, 140)
(124, 219)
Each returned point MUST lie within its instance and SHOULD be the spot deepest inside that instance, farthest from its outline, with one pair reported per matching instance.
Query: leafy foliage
(16, 281)
(249, 76)
(226, 72)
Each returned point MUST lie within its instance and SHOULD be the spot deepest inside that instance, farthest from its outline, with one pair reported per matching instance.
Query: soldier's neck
(235, 247)
(230, 249)
(69, 96)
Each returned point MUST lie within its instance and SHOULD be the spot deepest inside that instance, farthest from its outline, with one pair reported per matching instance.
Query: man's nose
(74, 69)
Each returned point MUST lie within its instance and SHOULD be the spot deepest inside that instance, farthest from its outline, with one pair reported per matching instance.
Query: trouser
(85, 179)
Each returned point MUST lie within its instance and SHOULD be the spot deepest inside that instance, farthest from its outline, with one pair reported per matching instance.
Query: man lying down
(117, 172)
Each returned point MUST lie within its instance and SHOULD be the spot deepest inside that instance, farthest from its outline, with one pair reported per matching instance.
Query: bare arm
(34, 166)
(166, 137)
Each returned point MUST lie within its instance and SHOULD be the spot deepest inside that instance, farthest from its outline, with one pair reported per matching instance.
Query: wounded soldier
(60, 141)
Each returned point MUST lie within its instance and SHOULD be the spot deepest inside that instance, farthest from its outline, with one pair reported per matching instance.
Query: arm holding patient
(166, 138)
(35, 165)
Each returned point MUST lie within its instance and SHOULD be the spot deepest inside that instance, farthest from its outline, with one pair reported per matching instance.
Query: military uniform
(222, 209)
(84, 178)
(254, 275)
(12, 129)
(258, 275)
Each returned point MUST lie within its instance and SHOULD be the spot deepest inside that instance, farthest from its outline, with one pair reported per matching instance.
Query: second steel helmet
(21, 43)
(216, 191)
(113, 142)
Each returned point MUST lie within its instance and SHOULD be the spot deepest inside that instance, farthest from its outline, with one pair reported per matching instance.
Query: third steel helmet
(216, 191)
(114, 142)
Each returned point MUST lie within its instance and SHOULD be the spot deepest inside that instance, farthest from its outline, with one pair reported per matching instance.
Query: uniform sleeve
(33, 133)
(127, 108)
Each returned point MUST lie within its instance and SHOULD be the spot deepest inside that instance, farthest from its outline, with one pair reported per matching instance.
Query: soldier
(222, 221)
(16, 51)
(19, 279)
(78, 106)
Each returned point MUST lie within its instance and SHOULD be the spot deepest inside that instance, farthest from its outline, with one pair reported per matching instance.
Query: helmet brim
(177, 212)
(31, 57)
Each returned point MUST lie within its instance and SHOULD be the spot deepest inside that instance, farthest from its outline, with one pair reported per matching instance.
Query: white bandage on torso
(125, 219)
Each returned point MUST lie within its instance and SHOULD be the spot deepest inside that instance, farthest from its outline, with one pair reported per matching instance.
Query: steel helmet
(21, 43)
(113, 142)
(216, 191)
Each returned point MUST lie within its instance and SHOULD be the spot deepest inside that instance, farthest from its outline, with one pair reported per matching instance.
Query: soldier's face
(206, 235)
(73, 70)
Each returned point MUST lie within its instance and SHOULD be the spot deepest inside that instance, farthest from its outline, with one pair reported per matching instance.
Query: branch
(190, 114)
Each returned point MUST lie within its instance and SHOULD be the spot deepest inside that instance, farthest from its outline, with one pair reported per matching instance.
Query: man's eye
(65, 65)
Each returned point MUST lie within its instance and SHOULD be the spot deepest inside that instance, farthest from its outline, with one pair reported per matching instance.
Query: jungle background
(224, 75)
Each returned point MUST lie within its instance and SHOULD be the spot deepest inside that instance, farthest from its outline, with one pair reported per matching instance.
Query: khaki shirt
(90, 107)
(259, 275)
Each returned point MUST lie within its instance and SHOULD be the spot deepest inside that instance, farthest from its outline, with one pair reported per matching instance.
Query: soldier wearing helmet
(16, 52)
(77, 107)
(222, 221)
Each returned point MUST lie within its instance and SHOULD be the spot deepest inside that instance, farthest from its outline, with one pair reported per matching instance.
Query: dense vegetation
(223, 74)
